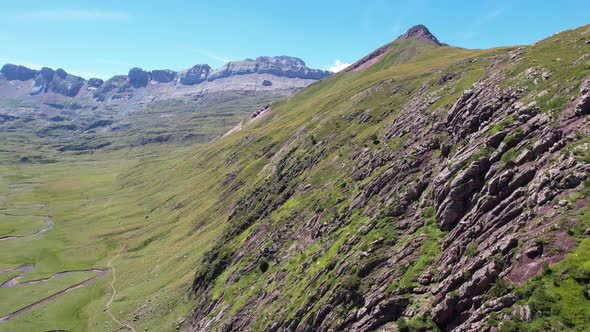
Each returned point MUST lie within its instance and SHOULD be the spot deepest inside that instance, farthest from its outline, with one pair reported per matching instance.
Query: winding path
(113, 297)
(26, 269)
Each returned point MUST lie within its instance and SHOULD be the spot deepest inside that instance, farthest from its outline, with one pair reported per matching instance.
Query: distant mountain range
(259, 74)
(142, 107)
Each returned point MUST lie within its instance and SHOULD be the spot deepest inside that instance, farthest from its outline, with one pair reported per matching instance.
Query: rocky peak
(15, 72)
(282, 66)
(422, 33)
(45, 80)
(195, 75)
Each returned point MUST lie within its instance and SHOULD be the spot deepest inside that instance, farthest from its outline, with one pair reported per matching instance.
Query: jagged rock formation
(60, 82)
(14, 72)
(420, 32)
(45, 80)
(279, 66)
(163, 76)
(195, 75)
(138, 77)
(412, 200)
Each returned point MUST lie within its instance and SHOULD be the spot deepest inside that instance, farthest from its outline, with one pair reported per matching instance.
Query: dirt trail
(27, 269)
(113, 297)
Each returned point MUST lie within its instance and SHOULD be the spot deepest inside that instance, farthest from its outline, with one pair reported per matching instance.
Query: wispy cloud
(74, 15)
(473, 28)
(338, 66)
(204, 52)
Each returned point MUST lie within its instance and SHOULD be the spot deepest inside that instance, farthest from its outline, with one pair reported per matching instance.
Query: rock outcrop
(195, 75)
(413, 201)
(14, 72)
(95, 82)
(60, 82)
(422, 33)
(278, 66)
(163, 75)
(138, 78)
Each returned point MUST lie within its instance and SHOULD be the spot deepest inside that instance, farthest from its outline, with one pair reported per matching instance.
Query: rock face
(420, 32)
(195, 75)
(279, 66)
(282, 66)
(95, 82)
(58, 81)
(138, 77)
(163, 76)
(429, 196)
(14, 72)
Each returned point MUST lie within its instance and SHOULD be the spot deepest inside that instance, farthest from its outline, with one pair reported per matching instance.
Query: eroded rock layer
(427, 195)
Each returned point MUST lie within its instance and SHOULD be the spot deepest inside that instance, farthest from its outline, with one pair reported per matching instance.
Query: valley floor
(67, 227)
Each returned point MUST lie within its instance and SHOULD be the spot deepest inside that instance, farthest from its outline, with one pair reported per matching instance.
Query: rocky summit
(426, 187)
(422, 33)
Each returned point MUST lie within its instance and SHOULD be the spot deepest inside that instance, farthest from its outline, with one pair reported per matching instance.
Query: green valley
(426, 187)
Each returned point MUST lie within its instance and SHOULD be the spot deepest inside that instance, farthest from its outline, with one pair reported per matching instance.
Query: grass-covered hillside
(430, 187)
(429, 190)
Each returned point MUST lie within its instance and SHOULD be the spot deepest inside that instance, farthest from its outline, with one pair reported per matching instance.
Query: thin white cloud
(74, 15)
(482, 20)
(338, 66)
(203, 52)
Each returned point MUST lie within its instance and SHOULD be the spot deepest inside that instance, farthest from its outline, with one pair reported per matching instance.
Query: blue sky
(107, 37)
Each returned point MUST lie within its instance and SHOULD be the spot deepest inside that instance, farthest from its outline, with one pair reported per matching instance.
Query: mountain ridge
(59, 81)
(408, 43)
(430, 188)
(440, 192)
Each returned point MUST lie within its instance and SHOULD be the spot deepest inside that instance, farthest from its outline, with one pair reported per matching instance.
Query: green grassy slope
(156, 213)
(299, 163)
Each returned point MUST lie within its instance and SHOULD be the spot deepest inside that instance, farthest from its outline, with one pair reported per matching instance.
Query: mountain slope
(426, 192)
(436, 188)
